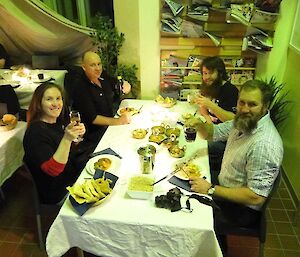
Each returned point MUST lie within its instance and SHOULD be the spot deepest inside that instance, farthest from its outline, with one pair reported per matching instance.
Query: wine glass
(75, 117)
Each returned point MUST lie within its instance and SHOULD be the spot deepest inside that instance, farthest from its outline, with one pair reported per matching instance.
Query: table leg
(79, 252)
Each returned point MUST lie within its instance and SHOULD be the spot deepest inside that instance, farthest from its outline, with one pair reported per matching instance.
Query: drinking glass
(75, 117)
(190, 133)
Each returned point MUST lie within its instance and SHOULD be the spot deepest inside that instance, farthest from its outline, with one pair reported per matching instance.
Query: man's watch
(211, 190)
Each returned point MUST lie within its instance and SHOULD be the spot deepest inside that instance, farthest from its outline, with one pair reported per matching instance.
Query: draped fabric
(29, 27)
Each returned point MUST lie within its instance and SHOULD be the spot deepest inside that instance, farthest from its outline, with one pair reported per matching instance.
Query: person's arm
(109, 121)
(242, 195)
(61, 155)
(219, 112)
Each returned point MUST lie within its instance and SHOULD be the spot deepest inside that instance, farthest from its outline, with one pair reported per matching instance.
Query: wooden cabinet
(192, 30)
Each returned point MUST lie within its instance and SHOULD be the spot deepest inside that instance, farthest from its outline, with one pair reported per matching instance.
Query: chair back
(50, 62)
(39, 207)
(9, 100)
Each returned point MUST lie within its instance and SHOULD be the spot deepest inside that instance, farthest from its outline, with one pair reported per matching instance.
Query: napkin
(82, 208)
(106, 151)
(184, 184)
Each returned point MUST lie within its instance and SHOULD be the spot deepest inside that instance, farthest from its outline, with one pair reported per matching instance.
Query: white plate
(135, 111)
(182, 175)
(115, 163)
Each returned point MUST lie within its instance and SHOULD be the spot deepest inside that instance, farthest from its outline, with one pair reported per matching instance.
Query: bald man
(94, 94)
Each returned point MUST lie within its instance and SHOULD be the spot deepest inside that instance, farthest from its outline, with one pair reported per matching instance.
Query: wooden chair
(259, 230)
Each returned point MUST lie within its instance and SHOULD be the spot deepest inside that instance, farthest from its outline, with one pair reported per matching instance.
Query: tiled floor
(18, 236)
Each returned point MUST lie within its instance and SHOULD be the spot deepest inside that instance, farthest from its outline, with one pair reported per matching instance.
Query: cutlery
(178, 168)
(139, 110)
(168, 176)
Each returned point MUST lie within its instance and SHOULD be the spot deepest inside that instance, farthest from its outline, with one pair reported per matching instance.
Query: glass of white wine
(75, 117)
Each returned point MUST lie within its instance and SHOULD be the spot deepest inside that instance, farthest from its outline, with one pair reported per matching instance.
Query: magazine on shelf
(216, 40)
(198, 12)
(191, 29)
(175, 7)
(171, 23)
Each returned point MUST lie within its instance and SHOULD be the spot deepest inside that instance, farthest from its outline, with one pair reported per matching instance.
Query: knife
(178, 168)
(169, 175)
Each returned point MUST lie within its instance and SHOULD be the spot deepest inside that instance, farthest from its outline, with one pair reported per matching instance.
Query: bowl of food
(158, 139)
(165, 102)
(140, 186)
(158, 129)
(8, 122)
(172, 131)
(139, 133)
(177, 151)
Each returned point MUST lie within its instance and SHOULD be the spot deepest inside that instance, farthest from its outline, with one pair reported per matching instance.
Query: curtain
(29, 27)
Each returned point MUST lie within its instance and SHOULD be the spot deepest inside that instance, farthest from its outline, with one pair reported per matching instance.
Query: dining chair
(259, 230)
(40, 208)
(50, 62)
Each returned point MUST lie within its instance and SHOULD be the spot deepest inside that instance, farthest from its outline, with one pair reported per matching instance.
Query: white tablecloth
(11, 151)
(129, 227)
(25, 90)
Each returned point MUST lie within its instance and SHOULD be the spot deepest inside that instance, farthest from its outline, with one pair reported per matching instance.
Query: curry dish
(103, 164)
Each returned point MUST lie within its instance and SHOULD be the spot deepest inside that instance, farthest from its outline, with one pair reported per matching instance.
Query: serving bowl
(140, 186)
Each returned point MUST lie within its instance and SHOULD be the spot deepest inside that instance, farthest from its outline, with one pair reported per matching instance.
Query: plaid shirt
(250, 160)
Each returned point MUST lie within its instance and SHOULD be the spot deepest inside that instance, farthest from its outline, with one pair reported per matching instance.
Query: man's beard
(245, 123)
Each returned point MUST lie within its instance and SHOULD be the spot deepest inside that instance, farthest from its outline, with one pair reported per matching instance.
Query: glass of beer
(75, 117)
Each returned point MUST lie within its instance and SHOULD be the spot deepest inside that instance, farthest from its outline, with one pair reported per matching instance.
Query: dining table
(25, 82)
(11, 150)
(124, 226)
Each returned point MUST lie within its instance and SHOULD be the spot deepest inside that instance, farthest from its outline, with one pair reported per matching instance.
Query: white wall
(139, 21)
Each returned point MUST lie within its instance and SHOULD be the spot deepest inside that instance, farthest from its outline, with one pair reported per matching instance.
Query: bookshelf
(209, 29)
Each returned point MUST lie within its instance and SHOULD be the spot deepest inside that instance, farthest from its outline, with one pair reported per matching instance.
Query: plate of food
(187, 171)
(92, 192)
(127, 110)
(104, 162)
(165, 102)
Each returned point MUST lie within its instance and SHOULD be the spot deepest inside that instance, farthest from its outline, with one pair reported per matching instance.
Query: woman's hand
(74, 130)
(126, 87)
(199, 185)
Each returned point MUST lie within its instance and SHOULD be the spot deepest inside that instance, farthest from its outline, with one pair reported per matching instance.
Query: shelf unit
(223, 33)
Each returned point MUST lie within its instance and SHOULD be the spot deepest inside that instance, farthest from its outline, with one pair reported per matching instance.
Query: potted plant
(109, 41)
(279, 102)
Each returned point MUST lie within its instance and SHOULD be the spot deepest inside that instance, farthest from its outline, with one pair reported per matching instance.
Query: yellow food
(141, 183)
(139, 133)
(103, 164)
(191, 170)
(9, 119)
(166, 102)
(130, 110)
(91, 191)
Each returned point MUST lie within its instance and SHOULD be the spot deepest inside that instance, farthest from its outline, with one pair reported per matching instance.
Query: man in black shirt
(93, 95)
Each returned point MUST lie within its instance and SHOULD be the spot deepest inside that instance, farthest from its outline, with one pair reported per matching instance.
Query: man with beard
(93, 94)
(251, 162)
(217, 103)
